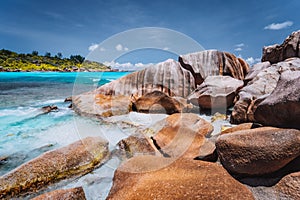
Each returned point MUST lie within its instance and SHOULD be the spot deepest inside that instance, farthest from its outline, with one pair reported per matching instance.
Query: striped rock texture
(175, 79)
(168, 77)
(212, 62)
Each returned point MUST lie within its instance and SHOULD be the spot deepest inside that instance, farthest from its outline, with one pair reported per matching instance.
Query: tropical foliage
(12, 61)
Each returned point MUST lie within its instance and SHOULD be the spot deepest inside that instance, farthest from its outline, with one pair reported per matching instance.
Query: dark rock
(63, 194)
(77, 158)
(212, 62)
(288, 49)
(258, 151)
(282, 107)
(68, 99)
(3, 159)
(50, 108)
(178, 179)
(216, 92)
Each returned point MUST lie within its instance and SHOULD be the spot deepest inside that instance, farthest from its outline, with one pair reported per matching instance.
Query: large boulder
(159, 102)
(282, 107)
(175, 79)
(136, 144)
(289, 187)
(63, 194)
(212, 62)
(216, 92)
(259, 88)
(168, 77)
(258, 151)
(100, 105)
(114, 98)
(77, 158)
(181, 135)
(181, 179)
(289, 48)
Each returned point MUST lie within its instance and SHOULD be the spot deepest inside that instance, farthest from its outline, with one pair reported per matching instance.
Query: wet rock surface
(50, 108)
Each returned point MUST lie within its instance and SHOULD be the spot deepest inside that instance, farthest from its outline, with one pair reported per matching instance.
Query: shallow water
(25, 128)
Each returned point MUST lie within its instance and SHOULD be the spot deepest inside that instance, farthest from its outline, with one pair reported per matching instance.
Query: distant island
(13, 62)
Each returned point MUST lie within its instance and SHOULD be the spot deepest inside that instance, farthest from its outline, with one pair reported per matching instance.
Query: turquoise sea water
(25, 131)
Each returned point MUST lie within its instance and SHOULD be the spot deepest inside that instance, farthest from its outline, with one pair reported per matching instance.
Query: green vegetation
(12, 61)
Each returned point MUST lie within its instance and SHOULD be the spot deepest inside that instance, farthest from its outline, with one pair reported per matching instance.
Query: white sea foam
(54, 101)
(96, 79)
(20, 111)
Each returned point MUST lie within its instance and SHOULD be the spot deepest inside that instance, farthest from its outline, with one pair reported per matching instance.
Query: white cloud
(96, 46)
(238, 49)
(93, 47)
(166, 48)
(278, 26)
(127, 66)
(119, 47)
(252, 60)
(239, 45)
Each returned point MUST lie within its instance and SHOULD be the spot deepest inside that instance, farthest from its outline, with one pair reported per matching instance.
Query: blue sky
(72, 26)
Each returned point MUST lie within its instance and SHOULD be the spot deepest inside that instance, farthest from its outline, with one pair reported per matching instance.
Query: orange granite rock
(77, 158)
(179, 179)
(63, 194)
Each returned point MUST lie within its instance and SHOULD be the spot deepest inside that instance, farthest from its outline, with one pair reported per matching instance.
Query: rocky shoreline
(182, 156)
